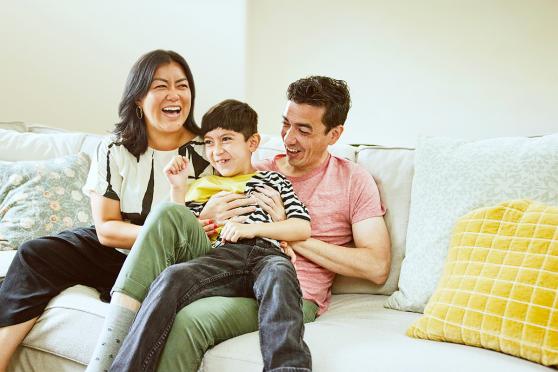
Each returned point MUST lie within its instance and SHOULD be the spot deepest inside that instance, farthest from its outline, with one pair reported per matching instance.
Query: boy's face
(229, 153)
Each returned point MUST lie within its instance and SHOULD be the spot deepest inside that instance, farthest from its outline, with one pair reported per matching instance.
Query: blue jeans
(252, 268)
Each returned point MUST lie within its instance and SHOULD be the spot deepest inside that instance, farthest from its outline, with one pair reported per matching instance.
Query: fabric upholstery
(40, 198)
(453, 177)
(499, 289)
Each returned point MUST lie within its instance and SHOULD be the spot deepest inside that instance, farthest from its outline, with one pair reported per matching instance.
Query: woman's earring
(139, 112)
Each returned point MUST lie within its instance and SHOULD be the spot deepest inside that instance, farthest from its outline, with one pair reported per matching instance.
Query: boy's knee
(278, 271)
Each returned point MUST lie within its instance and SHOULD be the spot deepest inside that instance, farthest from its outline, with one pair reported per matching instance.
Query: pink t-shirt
(337, 194)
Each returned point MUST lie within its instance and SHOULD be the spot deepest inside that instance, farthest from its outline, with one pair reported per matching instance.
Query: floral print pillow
(39, 198)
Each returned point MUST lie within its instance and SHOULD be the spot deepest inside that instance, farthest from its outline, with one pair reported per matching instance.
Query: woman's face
(167, 102)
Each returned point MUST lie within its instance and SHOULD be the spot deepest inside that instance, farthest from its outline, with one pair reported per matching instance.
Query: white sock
(117, 324)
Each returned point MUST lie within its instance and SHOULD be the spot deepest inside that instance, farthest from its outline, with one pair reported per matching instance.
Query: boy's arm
(289, 229)
(178, 194)
(176, 172)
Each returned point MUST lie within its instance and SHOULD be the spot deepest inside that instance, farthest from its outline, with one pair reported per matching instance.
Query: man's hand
(224, 206)
(288, 250)
(270, 201)
(234, 231)
(176, 171)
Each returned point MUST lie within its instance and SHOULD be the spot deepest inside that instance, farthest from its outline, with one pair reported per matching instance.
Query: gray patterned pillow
(40, 198)
(454, 177)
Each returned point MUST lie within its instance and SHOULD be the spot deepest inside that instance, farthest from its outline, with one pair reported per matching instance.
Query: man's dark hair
(232, 115)
(323, 91)
(131, 130)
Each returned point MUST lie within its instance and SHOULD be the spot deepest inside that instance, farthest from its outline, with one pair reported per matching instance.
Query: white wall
(462, 68)
(64, 62)
(467, 68)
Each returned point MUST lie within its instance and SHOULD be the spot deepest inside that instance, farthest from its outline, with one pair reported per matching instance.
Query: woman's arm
(111, 230)
(290, 229)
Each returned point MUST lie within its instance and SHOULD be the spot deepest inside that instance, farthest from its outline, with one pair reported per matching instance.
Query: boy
(248, 261)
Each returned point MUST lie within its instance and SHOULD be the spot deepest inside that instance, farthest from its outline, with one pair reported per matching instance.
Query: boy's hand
(176, 171)
(234, 231)
(270, 201)
(288, 250)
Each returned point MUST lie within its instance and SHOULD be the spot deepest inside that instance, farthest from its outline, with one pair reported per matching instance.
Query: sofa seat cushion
(69, 327)
(358, 334)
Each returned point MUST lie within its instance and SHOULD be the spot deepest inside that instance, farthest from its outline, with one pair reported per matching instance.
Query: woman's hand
(176, 171)
(209, 227)
(270, 201)
(234, 231)
(224, 206)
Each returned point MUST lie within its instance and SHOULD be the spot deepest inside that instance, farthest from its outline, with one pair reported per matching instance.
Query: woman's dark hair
(131, 131)
(323, 91)
(232, 115)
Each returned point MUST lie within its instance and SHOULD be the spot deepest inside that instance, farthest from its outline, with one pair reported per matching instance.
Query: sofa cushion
(358, 334)
(392, 169)
(41, 198)
(15, 146)
(499, 289)
(6, 258)
(453, 177)
(69, 326)
(17, 126)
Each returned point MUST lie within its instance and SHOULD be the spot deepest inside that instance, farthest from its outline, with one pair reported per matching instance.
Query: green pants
(209, 321)
(172, 234)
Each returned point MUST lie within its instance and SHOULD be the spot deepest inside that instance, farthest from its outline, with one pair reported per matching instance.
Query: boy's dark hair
(131, 130)
(323, 91)
(232, 115)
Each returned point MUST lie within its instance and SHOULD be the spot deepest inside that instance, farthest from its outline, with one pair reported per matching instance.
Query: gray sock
(116, 326)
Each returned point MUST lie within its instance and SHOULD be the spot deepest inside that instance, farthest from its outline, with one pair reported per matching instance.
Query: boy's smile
(229, 153)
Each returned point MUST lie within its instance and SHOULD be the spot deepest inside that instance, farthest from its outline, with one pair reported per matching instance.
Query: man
(345, 207)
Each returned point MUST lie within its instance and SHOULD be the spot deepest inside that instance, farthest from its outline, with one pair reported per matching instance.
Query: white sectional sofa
(356, 334)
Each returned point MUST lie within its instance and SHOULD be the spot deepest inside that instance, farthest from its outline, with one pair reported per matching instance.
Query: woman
(125, 184)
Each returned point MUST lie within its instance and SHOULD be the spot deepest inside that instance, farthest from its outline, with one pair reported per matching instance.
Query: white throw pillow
(453, 177)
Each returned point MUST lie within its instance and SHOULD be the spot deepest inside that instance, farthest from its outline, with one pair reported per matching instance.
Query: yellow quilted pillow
(499, 289)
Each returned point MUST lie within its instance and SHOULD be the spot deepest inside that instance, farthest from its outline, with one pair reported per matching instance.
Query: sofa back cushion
(392, 169)
(15, 146)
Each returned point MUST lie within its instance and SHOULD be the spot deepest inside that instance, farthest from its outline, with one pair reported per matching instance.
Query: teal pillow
(39, 198)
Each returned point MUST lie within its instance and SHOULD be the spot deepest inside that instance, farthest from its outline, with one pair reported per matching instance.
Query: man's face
(304, 135)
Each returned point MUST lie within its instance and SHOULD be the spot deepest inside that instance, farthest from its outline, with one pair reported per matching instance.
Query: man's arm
(370, 259)
(226, 205)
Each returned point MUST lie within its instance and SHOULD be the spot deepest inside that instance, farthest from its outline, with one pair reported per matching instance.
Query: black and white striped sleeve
(195, 207)
(294, 208)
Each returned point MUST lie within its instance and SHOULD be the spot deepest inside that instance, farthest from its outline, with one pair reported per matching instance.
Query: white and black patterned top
(294, 208)
(138, 182)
